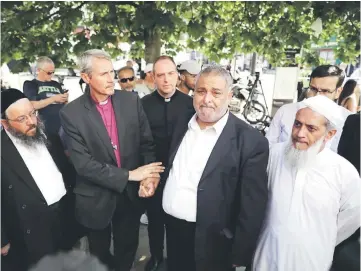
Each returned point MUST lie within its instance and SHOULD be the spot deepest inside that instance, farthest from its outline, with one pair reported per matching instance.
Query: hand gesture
(148, 171)
(61, 98)
(148, 186)
(5, 250)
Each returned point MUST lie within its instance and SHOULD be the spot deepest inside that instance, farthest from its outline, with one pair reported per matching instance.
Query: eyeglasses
(48, 73)
(322, 91)
(33, 114)
(124, 80)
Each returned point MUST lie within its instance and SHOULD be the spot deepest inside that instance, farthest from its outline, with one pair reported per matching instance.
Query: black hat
(10, 96)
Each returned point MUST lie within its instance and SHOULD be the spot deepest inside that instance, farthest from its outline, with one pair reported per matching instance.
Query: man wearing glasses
(46, 95)
(127, 80)
(325, 80)
(37, 213)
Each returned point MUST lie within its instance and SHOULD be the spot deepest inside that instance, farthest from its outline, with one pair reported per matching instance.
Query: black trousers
(180, 244)
(156, 222)
(125, 228)
(180, 248)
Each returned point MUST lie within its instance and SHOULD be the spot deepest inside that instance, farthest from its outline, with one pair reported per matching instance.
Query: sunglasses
(124, 80)
(48, 73)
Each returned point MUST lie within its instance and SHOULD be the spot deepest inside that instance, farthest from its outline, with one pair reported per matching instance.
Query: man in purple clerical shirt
(111, 146)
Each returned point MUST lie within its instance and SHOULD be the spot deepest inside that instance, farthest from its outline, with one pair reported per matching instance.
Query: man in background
(126, 79)
(166, 108)
(188, 71)
(46, 95)
(325, 80)
(146, 83)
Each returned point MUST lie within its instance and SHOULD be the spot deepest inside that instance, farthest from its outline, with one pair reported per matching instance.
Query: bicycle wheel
(254, 112)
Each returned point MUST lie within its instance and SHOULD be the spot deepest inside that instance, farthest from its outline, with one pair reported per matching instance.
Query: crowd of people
(224, 195)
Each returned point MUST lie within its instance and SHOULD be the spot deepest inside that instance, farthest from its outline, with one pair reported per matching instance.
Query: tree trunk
(152, 43)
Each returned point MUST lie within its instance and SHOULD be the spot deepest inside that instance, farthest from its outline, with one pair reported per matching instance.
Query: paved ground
(143, 251)
(142, 255)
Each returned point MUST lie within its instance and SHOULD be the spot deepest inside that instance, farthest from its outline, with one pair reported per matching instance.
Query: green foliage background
(218, 29)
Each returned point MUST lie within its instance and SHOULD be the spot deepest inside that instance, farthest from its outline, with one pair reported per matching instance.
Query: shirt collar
(217, 127)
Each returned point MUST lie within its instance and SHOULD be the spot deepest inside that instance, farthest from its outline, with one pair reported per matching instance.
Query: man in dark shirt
(46, 95)
(165, 108)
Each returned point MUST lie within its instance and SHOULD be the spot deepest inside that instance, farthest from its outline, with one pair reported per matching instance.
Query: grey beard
(297, 158)
(31, 141)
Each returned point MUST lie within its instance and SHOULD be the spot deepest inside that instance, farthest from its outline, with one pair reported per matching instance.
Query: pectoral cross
(115, 147)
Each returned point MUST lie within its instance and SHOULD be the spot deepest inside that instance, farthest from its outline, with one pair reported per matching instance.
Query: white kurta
(309, 212)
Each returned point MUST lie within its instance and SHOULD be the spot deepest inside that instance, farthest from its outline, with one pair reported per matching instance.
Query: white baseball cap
(148, 68)
(190, 66)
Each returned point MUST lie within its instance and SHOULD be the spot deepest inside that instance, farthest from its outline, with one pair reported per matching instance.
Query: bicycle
(253, 111)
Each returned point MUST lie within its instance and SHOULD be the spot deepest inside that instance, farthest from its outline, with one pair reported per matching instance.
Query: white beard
(301, 158)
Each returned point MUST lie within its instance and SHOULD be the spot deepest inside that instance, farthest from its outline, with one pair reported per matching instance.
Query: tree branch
(130, 3)
(49, 16)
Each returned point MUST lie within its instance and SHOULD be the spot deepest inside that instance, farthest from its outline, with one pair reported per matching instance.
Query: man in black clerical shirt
(165, 108)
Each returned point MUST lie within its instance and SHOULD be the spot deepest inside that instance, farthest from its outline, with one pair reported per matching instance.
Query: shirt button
(28, 231)
(24, 206)
(10, 186)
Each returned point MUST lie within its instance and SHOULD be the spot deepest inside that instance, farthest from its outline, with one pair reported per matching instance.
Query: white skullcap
(327, 108)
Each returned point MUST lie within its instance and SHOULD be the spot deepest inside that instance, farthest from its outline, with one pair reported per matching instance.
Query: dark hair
(183, 71)
(126, 68)
(329, 70)
(163, 58)
(347, 90)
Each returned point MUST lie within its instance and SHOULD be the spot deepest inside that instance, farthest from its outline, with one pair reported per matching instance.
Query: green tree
(218, 29)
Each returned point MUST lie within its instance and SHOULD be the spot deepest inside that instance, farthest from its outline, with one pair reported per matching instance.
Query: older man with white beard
(314, 195)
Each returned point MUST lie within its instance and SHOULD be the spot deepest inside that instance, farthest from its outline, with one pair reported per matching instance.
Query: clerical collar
(101, 103)
(167, 100)
(104, 102)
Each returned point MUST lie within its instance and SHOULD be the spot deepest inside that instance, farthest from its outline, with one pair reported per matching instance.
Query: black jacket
(349, 145)
(347, 254)
(26, 219)
(232, 196)
(99, 180)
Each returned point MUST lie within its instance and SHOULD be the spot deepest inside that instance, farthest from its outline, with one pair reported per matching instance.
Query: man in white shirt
(314, 195)
(216, 191)
(35, 177)
(325, 80)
